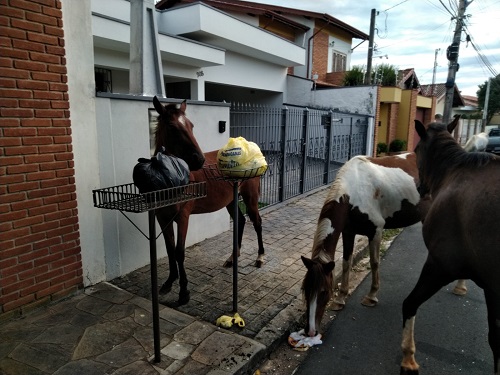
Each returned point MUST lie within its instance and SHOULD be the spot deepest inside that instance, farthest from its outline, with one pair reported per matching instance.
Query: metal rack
(127, 198)
(234, 177)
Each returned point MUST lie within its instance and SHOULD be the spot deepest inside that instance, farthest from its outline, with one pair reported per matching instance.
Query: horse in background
(174, 132)
(368, 195)
(460, 230)
(477, 142)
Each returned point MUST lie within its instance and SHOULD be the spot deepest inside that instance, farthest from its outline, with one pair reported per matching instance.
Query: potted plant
(381, 148)
(397, 146)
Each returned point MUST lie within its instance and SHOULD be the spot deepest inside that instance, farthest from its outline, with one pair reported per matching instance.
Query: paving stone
(83, 367)
(144, 336)
(178, 350)
(21, 332)
(43, 357)
(109, 292)
(123, 354)
(94, 306)
(61, 334)
(11, 367)
(176, 317)
(84, 320)
(192, 367)
(135, 368)
(194, 333)
(210, 352)
(103, 337)
(119, 312)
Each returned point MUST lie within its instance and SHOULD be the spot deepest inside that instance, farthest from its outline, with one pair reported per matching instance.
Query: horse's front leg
(371, 299)
(253, 214)
(430, 281)
(180, 250)
(168, 235)
(348, 246)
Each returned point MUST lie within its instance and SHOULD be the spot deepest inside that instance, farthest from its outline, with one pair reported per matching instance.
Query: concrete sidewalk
(107, 329)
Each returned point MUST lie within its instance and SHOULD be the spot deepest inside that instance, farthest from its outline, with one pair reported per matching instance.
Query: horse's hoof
(183, 298)
(165, 288)
(228, 263)
(369, 302)
(406, 371)
(337, 306)
(259, 263)
(460, 291)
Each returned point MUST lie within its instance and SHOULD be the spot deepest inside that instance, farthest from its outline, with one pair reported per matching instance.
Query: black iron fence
(304, 147)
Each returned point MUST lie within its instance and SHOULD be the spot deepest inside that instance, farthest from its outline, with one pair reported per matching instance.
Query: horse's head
(425, 149)
(317, 289)
(175, 132)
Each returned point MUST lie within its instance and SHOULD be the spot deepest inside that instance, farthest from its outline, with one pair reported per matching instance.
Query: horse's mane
(161, 129)
(446, 155)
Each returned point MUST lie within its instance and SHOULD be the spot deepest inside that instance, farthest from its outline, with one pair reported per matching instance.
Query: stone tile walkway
(107, 329)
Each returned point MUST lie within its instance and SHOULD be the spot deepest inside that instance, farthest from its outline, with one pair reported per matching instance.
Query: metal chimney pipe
(146, 71)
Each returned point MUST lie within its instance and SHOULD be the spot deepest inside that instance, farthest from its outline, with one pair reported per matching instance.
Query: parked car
(493, 141)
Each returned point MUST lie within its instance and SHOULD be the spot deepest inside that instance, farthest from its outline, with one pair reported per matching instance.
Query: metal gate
(303, 147)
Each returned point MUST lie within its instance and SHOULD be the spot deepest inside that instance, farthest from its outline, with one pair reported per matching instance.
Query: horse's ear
(452, 125)
(183, 106)
(158, 106)
(327, 268)
(307, 262)
(420, 128)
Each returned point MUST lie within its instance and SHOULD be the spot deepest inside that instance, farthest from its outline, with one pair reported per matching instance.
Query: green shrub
(397, 145)
(355, 76)
(381, 147)
(385, 74)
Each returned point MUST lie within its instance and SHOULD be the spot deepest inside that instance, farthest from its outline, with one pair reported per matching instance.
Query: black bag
(160, 172)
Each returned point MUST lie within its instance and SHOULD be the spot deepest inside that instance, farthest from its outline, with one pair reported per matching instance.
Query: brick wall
(320, 55)
(39, 240)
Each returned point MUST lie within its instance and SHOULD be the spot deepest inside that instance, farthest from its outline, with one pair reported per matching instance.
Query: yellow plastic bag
(241, 158)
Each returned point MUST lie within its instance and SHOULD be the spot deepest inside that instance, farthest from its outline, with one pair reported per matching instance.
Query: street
(450, 331)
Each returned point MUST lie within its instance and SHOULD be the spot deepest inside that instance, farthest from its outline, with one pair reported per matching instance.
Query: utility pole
(434, 72)
(368, 75)
(485, 107)
(452, 56)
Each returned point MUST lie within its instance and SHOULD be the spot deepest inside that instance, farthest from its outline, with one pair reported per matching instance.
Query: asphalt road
(450, 331)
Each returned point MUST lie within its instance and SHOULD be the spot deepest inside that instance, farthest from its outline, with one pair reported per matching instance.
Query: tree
(385, 75)
(494, 100)
(355, 76)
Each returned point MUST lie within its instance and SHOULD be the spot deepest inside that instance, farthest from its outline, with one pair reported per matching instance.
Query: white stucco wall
(123, 137)
(81, 88)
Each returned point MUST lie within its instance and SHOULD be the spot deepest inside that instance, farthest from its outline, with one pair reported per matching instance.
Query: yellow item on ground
(226, 321)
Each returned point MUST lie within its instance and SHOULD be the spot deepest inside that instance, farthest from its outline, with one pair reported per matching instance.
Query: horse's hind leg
(253, 214)
(493, 306)
(431, 280)
(348, 246)
(371, 299)
(241, 227)
(168, 235)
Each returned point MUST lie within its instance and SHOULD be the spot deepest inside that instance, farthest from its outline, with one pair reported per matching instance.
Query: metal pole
(235, 247)
(485, 106)
(452, 56)
(154, 285)
(370, 48)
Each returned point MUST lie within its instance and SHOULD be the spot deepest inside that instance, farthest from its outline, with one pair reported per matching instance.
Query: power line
(394, 6)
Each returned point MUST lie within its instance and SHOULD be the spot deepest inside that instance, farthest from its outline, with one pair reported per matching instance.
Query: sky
(408, 33)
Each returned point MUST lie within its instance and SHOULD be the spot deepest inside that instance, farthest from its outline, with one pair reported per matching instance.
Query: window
(339, 62)
(102, 80)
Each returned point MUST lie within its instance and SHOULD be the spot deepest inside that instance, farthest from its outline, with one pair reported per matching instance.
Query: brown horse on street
(367, 196)
(461, 230)
(174, 132)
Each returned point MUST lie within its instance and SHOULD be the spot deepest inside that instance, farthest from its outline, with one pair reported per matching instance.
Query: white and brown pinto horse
(461, 230)
(174, 132)
(367, 196)
(477, 142)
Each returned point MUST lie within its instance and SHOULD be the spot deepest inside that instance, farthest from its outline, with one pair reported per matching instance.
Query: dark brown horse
(461, 230)
(368, 195)
(175, 132)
